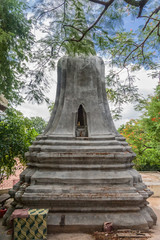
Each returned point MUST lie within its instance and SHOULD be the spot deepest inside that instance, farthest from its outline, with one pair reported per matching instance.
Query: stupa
(81, 167)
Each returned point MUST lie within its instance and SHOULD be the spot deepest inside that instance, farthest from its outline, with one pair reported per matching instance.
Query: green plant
(16, 135)
(143, 135)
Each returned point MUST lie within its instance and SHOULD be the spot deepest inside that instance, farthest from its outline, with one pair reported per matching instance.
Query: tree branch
(99, 2)
(155, 19)
(106, 4)
(146, 147)
(142, 44)
(50, 10)
(67, 25)
(88, 29)
(64, 18)
(141, 6)
(150, 17)
(158, 32)
(133, 2)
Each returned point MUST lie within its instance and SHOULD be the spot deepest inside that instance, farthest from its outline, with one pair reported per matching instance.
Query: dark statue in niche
(81, 122)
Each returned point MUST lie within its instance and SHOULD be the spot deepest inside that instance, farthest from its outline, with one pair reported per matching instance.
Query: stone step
(84, 199)
(92, 222)
(96, 161)
(77, 155)
(89, 206)
(4, 197)
(97, 209)
(82, 181)
(59, 189)
(53, 137)
(60, 148)
(80, 156)
(76, 143)
(54, 158)
(26, 175)
(78, 161)
(82, 177)
(83, 166)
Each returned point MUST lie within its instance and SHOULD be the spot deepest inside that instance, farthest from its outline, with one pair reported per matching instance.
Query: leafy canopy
(91, 26)
(103, 27)
(16, 135)
(143, 134)
(15, 48)
(38, 123)
(75, 27)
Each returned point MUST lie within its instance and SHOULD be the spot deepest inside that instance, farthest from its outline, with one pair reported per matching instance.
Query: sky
(146, 86)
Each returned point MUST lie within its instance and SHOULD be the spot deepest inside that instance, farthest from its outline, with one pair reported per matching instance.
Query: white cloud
(146, 86)
(41, 110)
(33, 110)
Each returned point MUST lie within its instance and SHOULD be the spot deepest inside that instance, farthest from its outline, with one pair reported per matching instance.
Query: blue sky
(146, 85)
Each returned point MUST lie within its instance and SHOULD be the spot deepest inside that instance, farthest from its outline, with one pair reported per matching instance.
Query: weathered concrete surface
(81, 168)
(81, 81)
(154, 202)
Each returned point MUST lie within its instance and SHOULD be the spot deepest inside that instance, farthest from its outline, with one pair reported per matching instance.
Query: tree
(15, 46)
(50, 107)
(100, 23)
(16, 42)
(16, 135)
(94, 26)
(143, 134)
(78, 27)
(36, 123)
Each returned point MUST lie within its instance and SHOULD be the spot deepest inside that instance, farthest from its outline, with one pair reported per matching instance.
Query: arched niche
(81, 122)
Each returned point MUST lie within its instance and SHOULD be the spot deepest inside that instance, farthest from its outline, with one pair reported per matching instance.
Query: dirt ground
(70, 236)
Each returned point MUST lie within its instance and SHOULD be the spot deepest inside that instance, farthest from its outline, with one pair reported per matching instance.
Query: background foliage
(15, 48)
(37, 123)
(143, 134)
(16, 135)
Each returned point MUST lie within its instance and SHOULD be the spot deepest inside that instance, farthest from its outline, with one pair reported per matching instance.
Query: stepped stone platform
(80, 167)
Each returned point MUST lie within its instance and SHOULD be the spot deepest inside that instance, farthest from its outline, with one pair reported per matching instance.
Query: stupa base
(91, 222)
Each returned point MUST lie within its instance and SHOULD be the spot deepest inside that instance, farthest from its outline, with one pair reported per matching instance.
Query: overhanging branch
(133, 2)
(139, 4)
(99, 2)
(107, 4)
(50, 10)
(150, 17)
(142, 44)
